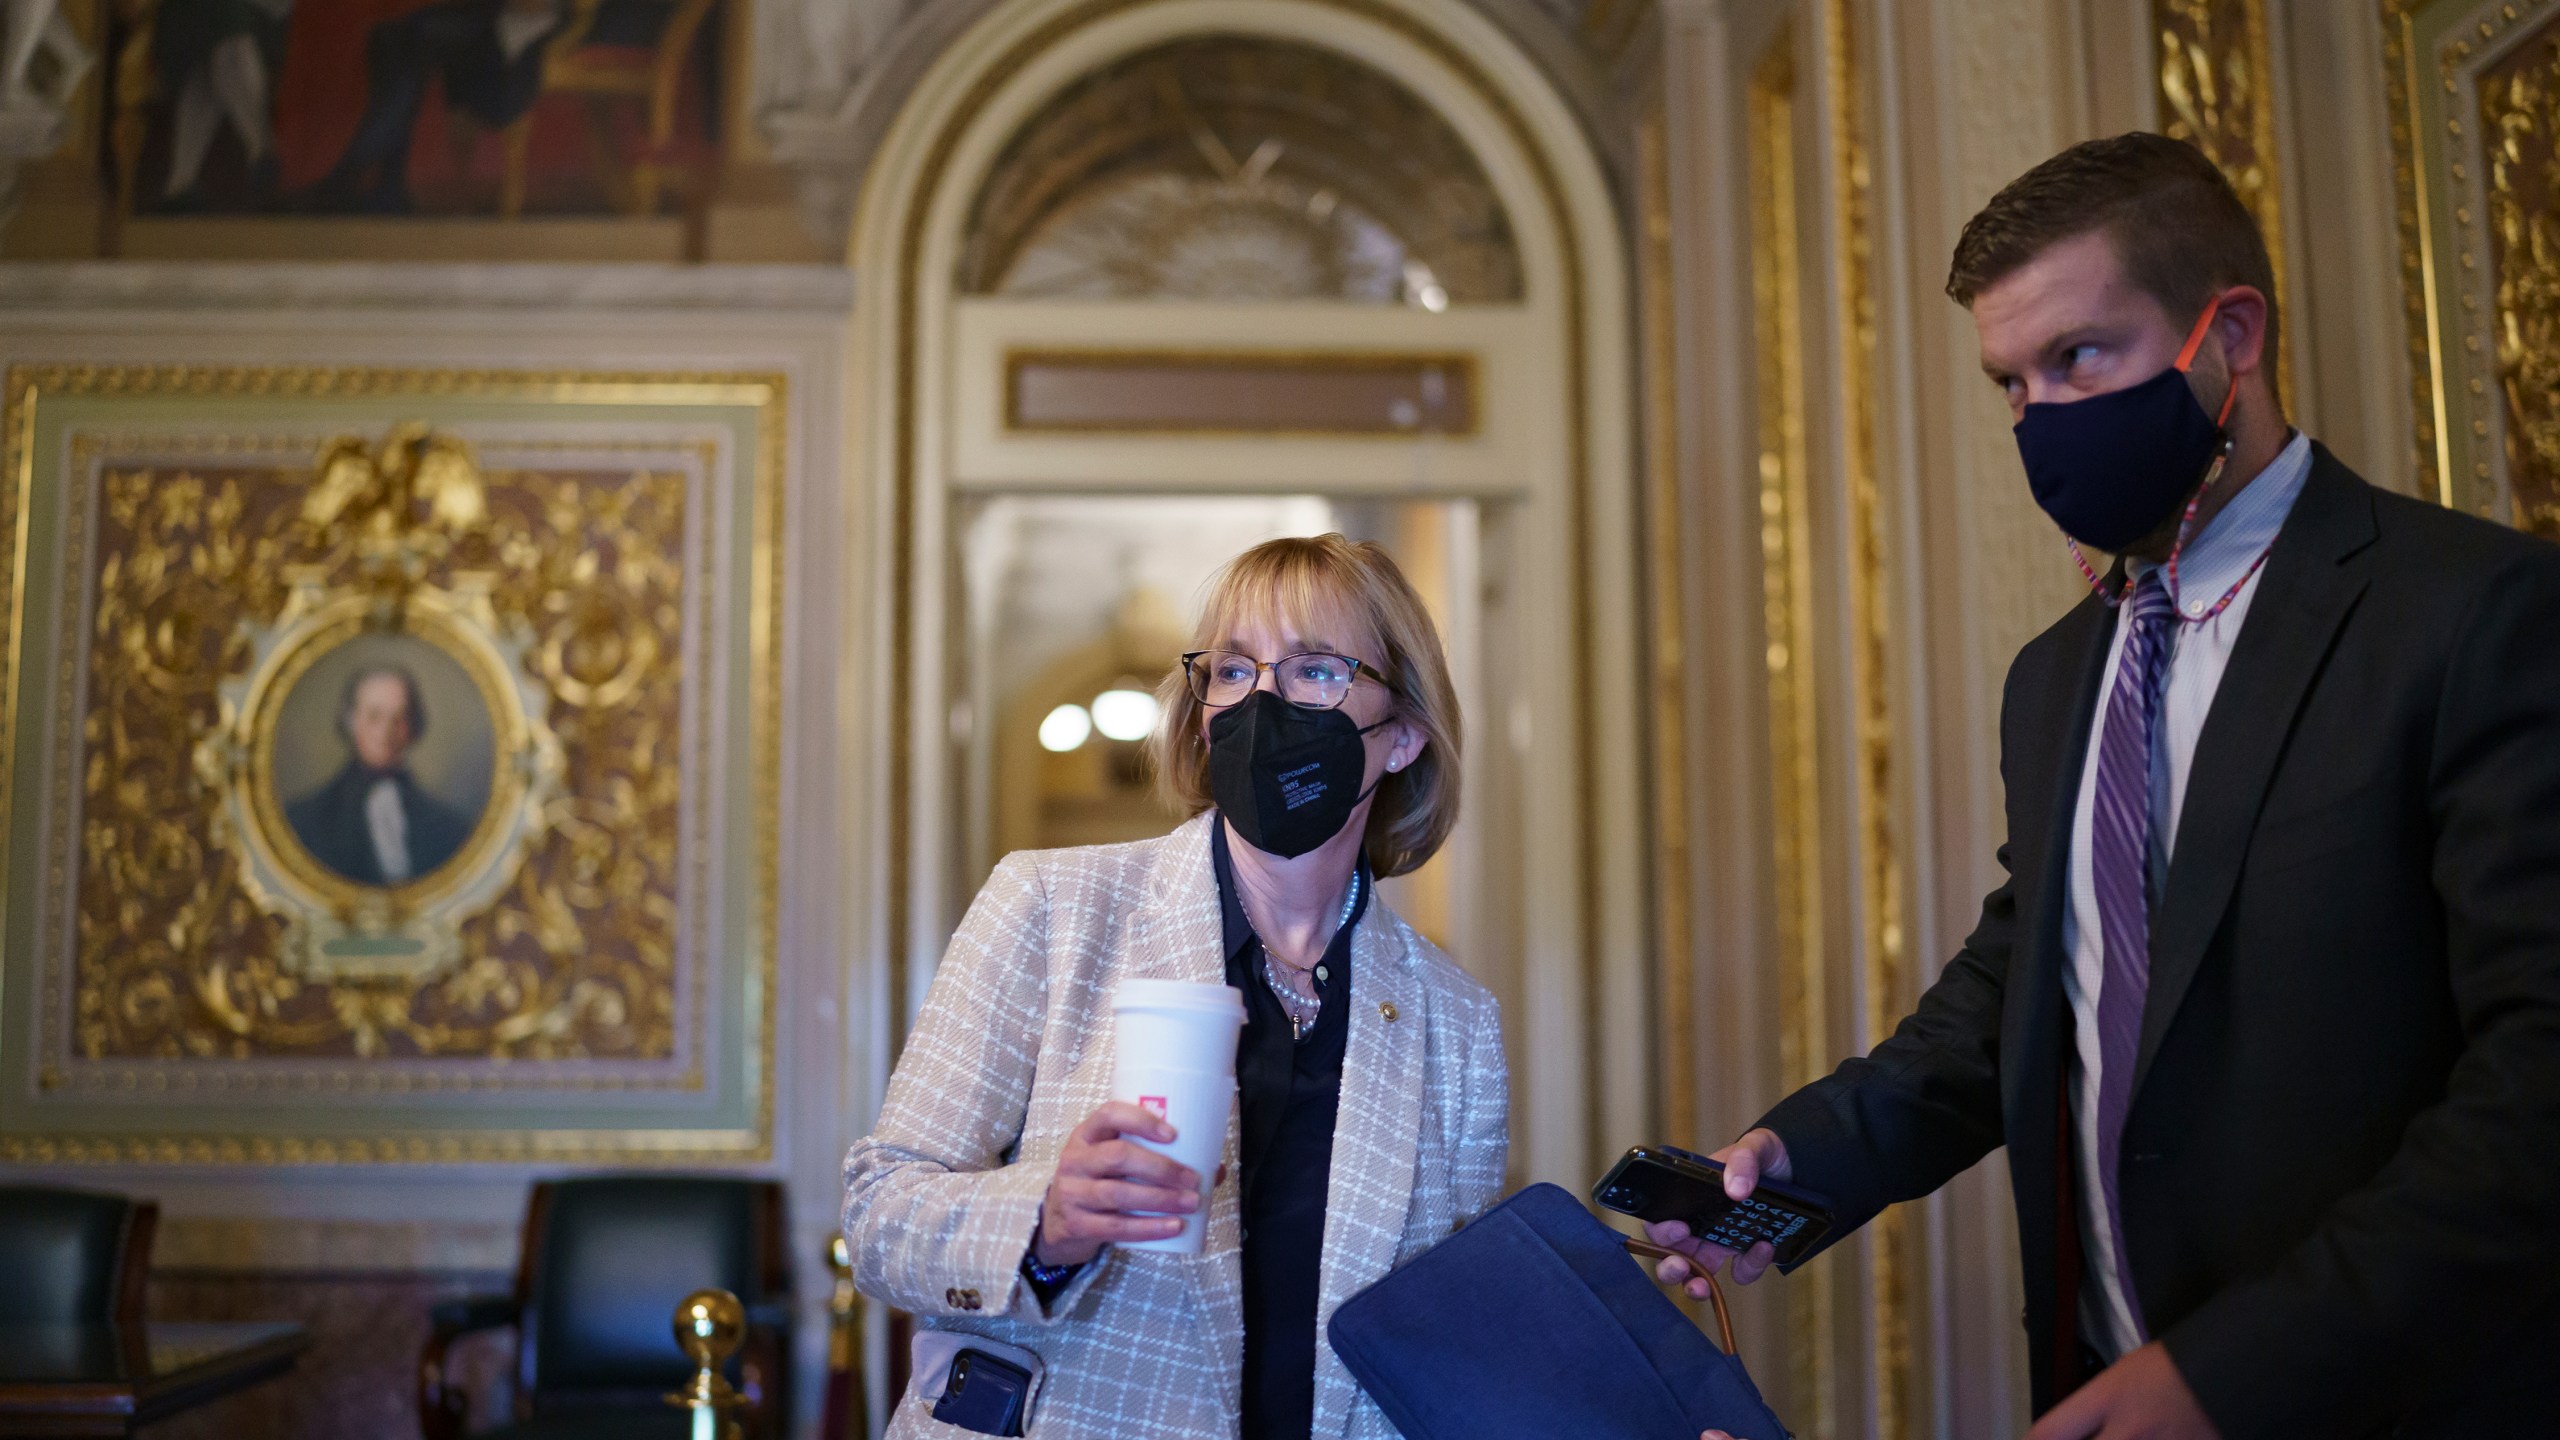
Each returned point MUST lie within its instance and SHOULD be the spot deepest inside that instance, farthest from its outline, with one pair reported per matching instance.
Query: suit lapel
(2088, 633)
(1179, 935)
(1376, 1136)
(2037, 1041)
(2303, 598)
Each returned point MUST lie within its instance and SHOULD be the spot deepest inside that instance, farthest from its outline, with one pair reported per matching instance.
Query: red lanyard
(2186, 522)
(2187, 519)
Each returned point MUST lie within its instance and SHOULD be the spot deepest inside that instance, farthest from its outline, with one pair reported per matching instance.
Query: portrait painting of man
(384, 751)
(415, 107)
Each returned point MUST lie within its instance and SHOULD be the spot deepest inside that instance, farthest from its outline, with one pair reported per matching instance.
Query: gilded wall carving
(1786, 559)
(1877, 783)
(2520, 125)
(2402, 92)
(395, 767)
(1840, 888)
(1667, 572)
(2217, 91)
(2473, 125)
(577, 956)
(1777, 299)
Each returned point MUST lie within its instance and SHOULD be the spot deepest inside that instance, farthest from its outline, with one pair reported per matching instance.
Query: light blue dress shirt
(2199, 652)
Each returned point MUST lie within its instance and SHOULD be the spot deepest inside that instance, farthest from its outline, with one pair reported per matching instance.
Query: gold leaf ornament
(377, 490)
(348, 478)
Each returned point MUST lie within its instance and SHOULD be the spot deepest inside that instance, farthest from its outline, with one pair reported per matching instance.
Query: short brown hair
(1322, 586)
(2178, 227)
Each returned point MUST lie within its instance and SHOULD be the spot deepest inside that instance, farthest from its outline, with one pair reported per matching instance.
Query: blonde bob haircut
(1337, 593)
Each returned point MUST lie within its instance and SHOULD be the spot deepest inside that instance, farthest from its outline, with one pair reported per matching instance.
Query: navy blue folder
(1534, 1323)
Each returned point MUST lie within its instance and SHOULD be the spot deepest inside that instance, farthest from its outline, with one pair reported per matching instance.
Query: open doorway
(1074, 608)
(1155, 281)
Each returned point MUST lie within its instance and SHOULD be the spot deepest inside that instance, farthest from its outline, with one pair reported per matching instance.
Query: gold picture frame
(579, 449)
(338, 927)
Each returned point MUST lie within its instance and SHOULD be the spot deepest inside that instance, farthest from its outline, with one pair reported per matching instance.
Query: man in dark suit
(2268, 1010)
(372, 822)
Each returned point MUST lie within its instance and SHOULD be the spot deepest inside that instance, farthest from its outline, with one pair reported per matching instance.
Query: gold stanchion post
(710, 1326)
(848, 1411)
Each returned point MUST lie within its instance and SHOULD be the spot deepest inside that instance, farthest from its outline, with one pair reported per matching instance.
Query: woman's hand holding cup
(1105, 1179)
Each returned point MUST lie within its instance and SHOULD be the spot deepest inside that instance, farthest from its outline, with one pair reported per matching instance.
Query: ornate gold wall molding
(1876, 786)
(2217, 91)
(1667, 570)
(1777, 290)
(2520, 125)
(1807, 863)
(2401, 90)
(578, 1014)
(566, 952)
(2475, 131)
(1786, 557)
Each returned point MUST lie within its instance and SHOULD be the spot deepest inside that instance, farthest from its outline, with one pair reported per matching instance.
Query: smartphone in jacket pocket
(980, 1385)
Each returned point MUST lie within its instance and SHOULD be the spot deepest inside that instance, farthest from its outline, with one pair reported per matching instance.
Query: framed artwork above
(392, 765)
(414, 107)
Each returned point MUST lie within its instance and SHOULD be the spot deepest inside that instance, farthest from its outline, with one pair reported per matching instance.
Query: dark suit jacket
(2341, 1171)
(331, 824)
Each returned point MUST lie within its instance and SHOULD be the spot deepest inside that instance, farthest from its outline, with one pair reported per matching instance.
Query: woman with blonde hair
(1313, 735)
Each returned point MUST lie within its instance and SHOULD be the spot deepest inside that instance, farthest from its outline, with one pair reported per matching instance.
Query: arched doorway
(1143, 280)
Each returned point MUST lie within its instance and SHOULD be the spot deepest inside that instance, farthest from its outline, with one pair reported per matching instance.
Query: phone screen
(1657, 1183)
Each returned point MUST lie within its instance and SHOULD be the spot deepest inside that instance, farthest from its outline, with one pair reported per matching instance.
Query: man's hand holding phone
(1746, 1161)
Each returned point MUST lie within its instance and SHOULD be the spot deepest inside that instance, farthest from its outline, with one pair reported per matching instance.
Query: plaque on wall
(392, 766)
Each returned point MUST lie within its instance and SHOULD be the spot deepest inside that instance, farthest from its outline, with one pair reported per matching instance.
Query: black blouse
(1289, 1090)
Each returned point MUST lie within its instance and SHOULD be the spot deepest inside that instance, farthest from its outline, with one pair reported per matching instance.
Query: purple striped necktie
(2120, 872)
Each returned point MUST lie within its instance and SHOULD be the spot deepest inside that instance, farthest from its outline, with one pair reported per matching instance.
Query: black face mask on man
(1286, 777)
(2115, 467)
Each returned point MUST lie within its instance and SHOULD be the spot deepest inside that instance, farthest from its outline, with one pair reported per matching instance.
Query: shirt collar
(2219, 555)
(1235, 931)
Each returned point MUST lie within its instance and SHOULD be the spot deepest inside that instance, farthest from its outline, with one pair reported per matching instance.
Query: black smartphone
(1665, 1182)
(984, 1395)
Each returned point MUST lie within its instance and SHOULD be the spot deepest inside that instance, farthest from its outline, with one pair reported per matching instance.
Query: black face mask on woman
(1286, 777)
(2115, 467)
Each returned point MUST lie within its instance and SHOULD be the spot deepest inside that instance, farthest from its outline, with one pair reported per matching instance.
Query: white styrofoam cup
(1175, 1054)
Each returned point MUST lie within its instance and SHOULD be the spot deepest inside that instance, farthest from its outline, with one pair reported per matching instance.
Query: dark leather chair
(74, 1256)
(605, 1261)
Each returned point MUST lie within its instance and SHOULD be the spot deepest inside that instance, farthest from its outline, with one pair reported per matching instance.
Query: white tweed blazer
(1014, 1049)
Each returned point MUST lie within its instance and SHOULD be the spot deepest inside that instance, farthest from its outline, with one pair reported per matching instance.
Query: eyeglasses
(1313, 681)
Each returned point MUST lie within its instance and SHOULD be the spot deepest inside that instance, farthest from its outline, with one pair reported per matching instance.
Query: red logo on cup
(1152, 1104)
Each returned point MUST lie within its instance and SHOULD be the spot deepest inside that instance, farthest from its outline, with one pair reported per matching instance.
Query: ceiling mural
(399, 107)
(143, 128)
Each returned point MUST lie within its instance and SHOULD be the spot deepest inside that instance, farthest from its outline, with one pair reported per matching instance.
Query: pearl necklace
(1301, 1010)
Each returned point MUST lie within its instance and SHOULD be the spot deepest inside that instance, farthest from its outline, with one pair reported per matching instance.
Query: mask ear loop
(2222, 453)
(2185, 361)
